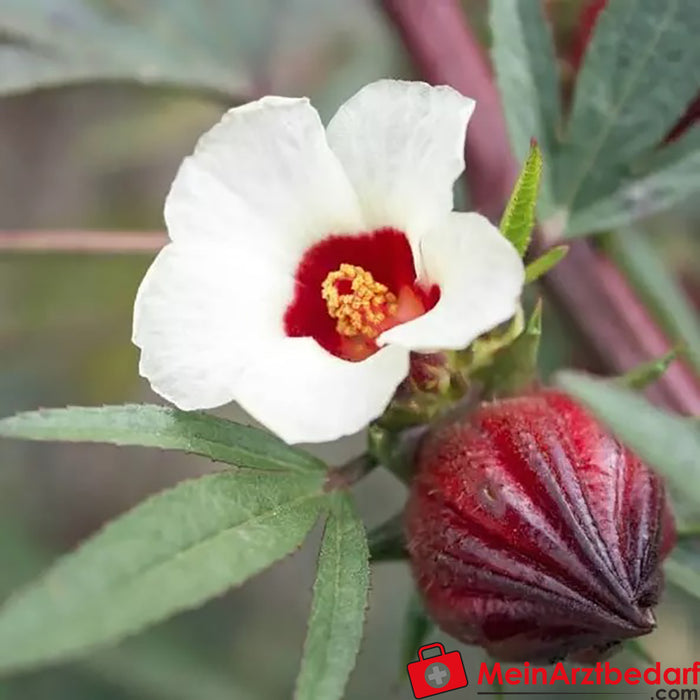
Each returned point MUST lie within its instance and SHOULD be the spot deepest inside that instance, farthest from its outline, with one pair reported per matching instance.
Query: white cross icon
(438, 675)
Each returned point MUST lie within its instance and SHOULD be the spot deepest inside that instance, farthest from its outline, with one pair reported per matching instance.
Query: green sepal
(648, 372)
(519, 217)
(542, 265)
(514, 367)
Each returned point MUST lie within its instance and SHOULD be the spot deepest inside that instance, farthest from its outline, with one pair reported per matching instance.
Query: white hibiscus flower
(305, 266)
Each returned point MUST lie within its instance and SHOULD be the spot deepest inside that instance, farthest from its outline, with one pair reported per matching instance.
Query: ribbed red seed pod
(534, 533)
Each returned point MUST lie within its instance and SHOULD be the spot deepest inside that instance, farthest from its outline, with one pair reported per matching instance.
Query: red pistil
(386, 255)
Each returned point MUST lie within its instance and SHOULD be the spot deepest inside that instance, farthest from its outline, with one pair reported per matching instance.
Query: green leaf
(20, 557)
(339, 603)
(667, 442)
(171, 553)
(546, 261)
(641, 70)
(526, 72)
(648, 372)
(416, 627)
(515, 367)
(683, 576)
(161, 42)
(167, 428)
(151, 665)
(688, 530)
(664, 180)
(519, 217)
(161, 670)
(635, 647)
(641, 262)
(683, 568)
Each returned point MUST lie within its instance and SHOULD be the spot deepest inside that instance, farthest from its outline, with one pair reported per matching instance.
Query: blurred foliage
(640, 71)
(57, 42)
(651, 276)
(221, 529)
(103, 157)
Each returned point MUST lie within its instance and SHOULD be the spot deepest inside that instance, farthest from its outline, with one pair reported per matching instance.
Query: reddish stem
(125, 242)
(590, 290)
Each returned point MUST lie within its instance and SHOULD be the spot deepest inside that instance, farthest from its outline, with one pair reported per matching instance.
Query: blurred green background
(102, 157)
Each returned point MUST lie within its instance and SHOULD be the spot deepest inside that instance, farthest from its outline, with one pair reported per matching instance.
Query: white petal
(199, 315)
(480, 276)
(402, 145)
(209, 326)
(264, 176)
(304, 394)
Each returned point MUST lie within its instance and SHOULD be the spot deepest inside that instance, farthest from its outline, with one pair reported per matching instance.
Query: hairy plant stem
(107, 242)
(592, 293)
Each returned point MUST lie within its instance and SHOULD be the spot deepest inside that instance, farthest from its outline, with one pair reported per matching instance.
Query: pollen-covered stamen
(360, 303)
(350, 289)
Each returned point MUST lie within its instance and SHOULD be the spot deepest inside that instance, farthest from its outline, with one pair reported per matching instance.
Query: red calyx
(534, 533)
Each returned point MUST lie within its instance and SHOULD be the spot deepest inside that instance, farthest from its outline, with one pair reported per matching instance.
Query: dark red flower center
(350, 289)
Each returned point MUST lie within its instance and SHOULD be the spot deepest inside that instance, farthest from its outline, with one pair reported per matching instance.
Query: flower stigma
(360, 303)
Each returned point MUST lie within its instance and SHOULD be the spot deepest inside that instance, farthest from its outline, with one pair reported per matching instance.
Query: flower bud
(534, 533)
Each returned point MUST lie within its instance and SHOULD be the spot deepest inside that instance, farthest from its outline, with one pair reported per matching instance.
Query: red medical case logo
(436, 674)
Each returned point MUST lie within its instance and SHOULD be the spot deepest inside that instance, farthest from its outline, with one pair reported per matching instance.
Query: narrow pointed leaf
(683, 576)
(171, 553)
(649, 372)
(641, 70)
(162, 670)
(546, 261)
(683, 568)
(416, 627)
(48, 43)
(664, 180)
(688, 530)
(519, 217)
(634, 646)
(526, 72)
(667, 442)
(167, 428)
(338, 608)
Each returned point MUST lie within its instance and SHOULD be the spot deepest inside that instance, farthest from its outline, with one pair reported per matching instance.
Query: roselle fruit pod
(534, 533)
